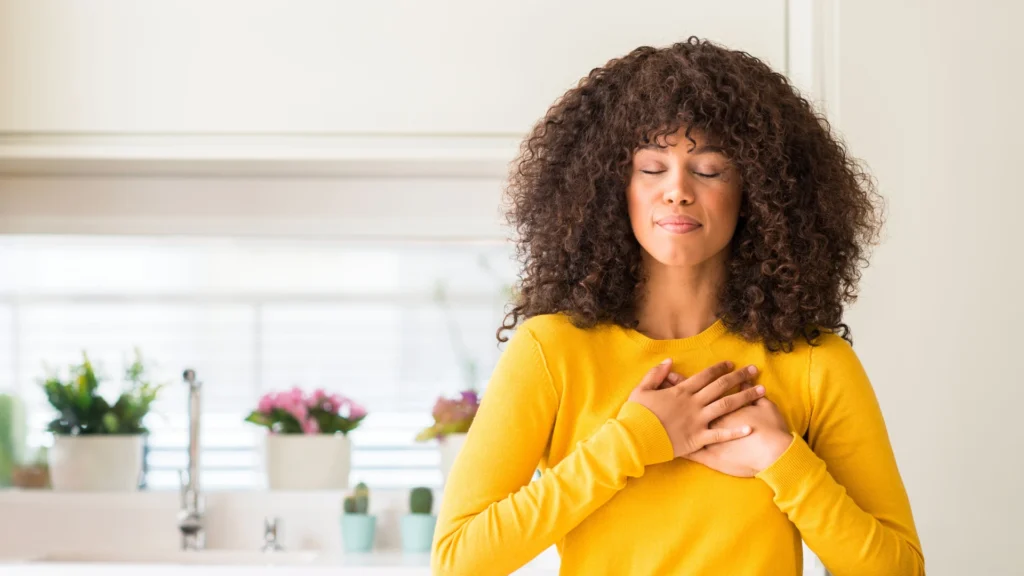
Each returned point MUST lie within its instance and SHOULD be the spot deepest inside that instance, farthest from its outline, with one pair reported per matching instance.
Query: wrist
(775, 445)
(652, 440)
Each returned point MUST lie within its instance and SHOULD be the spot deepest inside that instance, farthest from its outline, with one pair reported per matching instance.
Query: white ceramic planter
(450, 447)
(110, 463)
(308, 461)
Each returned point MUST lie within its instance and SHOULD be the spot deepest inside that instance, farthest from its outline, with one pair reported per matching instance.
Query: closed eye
(712, 175)
(653, 171)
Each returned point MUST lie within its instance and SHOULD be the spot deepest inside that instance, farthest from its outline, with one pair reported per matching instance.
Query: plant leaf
(84, 411)
(59, 426)
(260, 419)
(111, 423)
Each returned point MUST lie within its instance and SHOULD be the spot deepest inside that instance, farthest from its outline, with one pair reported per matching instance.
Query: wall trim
(812, 52)
(257, 155)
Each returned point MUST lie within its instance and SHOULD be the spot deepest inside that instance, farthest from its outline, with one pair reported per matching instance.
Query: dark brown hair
(808, 215)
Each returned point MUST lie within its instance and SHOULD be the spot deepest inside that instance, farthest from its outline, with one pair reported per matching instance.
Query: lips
(678, 224)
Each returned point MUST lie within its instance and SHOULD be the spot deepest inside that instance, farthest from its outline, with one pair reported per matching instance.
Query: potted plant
(12, 436)
(307, 446)
(98, 445)
(358, 526)
(418, 525)
(34, 473)
(452, 419)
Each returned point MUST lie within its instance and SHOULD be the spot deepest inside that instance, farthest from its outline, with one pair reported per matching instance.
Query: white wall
(325, 118)
(929, 94)
(325, 66)
(351, 207)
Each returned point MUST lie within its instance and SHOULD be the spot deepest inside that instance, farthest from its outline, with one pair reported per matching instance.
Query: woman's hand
(686, 407)
(747, 456)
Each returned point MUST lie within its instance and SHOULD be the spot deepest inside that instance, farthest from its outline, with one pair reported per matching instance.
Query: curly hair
(807, 219)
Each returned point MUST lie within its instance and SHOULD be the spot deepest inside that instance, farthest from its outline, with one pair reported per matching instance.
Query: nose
(678, 191)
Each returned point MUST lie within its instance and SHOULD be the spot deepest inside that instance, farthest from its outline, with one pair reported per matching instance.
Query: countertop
(226, 562)
(221, 563)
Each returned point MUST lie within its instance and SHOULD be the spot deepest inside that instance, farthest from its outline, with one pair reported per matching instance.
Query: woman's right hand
(686, 406)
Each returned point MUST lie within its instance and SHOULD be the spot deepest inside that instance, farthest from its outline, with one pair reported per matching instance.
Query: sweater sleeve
(493, 519)
(842, 488)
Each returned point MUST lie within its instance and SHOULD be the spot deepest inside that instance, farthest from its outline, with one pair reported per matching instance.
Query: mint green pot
(358, 531)
(418, 532)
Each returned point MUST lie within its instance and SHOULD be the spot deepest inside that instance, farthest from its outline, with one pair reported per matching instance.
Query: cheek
(639, 206)
(725, 208)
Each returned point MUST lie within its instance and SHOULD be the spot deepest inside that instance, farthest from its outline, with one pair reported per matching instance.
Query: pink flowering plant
(452, 416)
(294, 412)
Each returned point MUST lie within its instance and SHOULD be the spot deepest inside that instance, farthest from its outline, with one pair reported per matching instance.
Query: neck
(679, 302)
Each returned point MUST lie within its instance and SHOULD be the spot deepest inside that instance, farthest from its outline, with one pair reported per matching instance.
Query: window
(390, 324)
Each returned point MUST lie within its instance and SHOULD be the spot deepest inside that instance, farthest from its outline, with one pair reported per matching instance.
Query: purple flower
(454, 411)
(452, 416)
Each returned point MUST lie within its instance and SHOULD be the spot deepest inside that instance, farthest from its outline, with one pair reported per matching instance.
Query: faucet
(270, 539)
(190, 516)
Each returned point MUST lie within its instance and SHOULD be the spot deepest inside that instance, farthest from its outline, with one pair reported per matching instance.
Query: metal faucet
(190, 516)
(270, 541)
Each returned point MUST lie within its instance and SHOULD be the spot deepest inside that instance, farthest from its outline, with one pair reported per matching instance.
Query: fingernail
(760, 389)
(752, 369)
(666, 361)
(745, 429)
(728, 365)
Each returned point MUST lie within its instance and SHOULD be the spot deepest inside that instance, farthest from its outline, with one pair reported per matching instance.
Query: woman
(682, 208)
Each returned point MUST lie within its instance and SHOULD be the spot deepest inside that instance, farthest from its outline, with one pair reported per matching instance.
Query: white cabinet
(409, 67)
(375, 119)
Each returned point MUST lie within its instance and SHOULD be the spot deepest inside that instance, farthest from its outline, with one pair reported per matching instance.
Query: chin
(674, 258)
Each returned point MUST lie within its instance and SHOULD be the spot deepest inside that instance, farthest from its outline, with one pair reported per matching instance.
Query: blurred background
(308, 193)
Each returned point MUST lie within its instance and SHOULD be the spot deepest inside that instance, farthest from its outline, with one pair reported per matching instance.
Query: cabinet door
(282, 66)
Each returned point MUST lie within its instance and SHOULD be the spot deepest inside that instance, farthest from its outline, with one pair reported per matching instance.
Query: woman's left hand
(747, 456)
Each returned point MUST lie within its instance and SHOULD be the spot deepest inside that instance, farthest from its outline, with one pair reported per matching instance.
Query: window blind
(390, 324)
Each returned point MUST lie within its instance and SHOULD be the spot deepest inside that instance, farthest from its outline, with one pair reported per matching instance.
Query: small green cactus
(359, 502)
(362, 490)
(362, 505)
(421, 500)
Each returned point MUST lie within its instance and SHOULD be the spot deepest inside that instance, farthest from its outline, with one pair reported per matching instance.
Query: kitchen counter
(85, 534)
(127, 534)
(226, 563)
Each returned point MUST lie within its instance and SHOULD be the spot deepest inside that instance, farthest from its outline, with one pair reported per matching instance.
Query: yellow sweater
(615, 502)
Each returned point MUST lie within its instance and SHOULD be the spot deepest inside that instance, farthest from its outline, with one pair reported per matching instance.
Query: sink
(202, 557)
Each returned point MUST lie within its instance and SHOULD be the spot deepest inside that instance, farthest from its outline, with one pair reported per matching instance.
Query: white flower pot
(96, 462)
(308, 461)
(450, 446)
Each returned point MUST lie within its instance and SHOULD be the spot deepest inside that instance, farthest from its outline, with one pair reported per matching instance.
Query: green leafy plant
(421, 500)
(359, 501)
(83, 411)
(12, 436)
